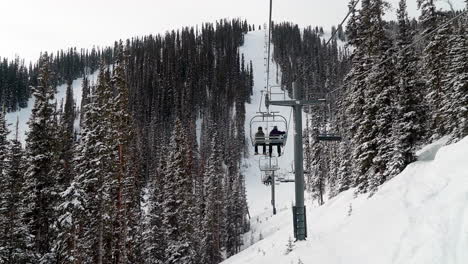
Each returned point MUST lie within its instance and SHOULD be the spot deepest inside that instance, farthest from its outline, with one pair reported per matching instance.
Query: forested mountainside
(16, 78)
(14, 84)
(134, 185)
(397, 95)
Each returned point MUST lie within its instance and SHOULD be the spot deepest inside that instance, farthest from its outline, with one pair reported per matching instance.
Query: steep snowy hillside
(420, 217)
(23, 115)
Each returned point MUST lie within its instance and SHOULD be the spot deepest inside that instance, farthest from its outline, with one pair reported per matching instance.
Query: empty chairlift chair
(268, 164)
(331, 137)
(327, 136)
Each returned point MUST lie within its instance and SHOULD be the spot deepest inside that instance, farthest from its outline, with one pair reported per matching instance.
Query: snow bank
(418, 217)
(429, 152)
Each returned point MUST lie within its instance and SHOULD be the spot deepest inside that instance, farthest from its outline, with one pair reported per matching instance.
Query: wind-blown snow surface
(24, 114)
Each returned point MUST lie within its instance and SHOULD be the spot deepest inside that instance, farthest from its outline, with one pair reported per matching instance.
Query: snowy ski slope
(418, 217)
(258, 194)
(23, 114)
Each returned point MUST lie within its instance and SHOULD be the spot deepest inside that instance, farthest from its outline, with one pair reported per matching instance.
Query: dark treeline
(153, 175)
(318, 69)
(71, 64)
(304, 54)
(14, 84)
(395, 98)
(67, 65)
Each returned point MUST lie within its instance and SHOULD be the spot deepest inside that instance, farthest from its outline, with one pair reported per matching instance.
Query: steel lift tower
(299, 209)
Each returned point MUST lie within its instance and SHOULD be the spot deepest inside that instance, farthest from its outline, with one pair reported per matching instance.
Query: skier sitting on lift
(268, 181)
(275, 133)
(260, 137)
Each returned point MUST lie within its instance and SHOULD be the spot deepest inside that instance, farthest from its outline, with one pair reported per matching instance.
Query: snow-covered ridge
(418, 217)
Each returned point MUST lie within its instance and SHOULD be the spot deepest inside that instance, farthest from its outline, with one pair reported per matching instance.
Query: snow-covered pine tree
(69, 208)
(94, 167)
(120, 134)
(457, 81)
(367, 93)
(361, 117)
(127, 233)
(5, 246)
(14, 235)
(343, 179)
(380, 96)
(212, 240)
(177, 205)
(154, 236)
(40, 185)
(238, 213)
(85, 92)
(70, 211)
(3, 140)
(434, 62)
(227, 212)
(319, 171)
(409, 125)
(87, 169)
(65, 141)
(428, 14)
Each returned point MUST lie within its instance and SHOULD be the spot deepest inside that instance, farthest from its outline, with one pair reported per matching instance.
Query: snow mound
(418, 217)
(429, 152)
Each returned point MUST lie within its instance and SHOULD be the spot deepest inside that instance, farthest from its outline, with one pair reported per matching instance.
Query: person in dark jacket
(268, 181)
(260, 140)
(275, 134)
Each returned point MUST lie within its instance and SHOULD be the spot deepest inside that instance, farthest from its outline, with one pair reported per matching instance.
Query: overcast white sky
(28, 27)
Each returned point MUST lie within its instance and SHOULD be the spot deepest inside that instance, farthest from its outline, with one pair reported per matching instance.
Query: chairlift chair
(267, 120)
(287, 180)
(268, 164)
(328, 137)
(267, 177)
(277, 92)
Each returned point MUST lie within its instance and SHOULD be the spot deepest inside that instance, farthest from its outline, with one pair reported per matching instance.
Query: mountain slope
(23, 115)
(420, 216)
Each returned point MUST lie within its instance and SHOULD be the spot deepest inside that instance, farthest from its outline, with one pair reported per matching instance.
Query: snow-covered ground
(418, 217)
(23, 114)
